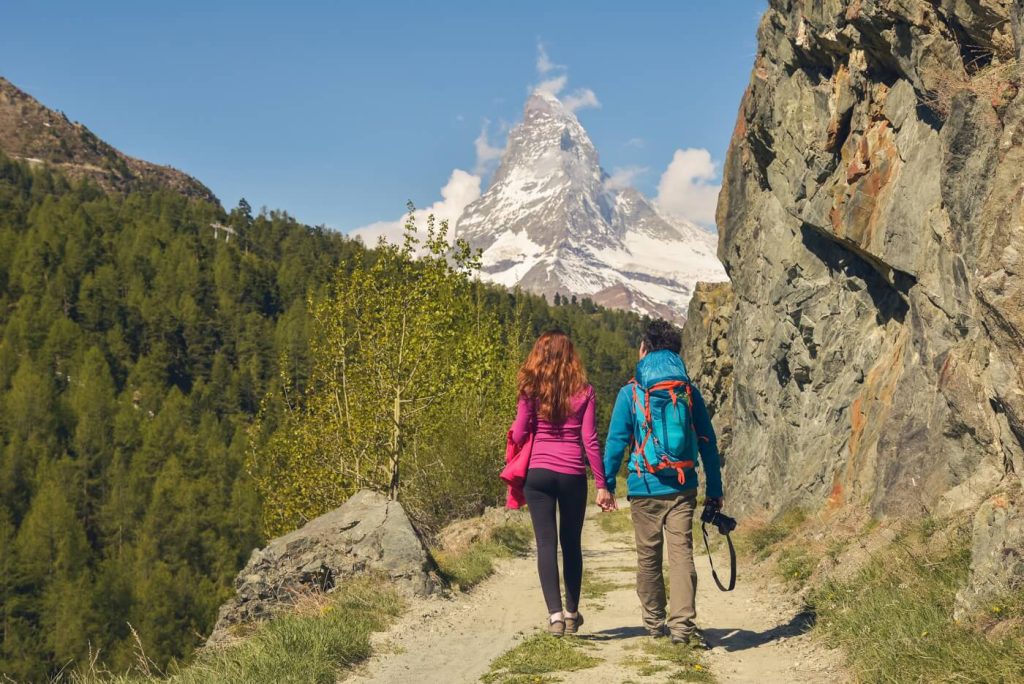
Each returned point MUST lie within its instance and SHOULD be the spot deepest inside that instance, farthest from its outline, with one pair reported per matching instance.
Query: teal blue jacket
(624, 433)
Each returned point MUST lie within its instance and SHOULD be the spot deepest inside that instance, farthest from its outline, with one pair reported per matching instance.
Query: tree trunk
(396, 444)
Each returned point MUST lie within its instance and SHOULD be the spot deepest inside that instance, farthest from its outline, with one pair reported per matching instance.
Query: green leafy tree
(400, 346)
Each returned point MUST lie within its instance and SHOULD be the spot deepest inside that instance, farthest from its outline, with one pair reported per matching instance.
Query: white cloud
(544, 63)
(486, 153)
(636, 142)
(553, 85)
(582, 98)
(461, 189)
(688, 188)
(624, 177)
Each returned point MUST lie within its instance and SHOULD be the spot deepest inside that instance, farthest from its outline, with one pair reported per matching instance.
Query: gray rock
(708, 356)
(997, 553)
(461, 534)
(367, 534)
(874, 349)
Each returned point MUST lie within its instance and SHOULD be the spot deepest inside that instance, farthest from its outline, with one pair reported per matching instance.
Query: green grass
(313, 645)
(663, 655)
(537, 657)
(893, 621)
(760, 539)
(616, 522)
(468, 568)
(795, 565)
(597, 587)
(645, 667)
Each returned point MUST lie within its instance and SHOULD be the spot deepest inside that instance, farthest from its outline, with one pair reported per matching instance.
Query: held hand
(717, 502)
(606, 500)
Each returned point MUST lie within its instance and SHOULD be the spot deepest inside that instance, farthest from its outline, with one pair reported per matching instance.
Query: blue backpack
(666, 438)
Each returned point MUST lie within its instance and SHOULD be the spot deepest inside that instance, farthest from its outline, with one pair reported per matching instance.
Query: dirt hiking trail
(756, 631)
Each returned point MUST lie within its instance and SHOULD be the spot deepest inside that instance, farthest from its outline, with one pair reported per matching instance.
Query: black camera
(712, 516)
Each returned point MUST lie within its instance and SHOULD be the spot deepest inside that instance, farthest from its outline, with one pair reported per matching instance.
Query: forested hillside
(137, 348)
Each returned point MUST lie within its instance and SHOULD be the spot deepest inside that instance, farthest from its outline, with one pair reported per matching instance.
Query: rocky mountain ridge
(870, 349)
(552, 221)
(39, 135)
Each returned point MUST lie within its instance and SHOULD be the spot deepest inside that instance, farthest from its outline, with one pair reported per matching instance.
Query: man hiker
(663, 421)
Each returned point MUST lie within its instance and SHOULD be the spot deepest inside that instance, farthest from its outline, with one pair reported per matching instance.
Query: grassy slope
(893, 618)
(324, 636)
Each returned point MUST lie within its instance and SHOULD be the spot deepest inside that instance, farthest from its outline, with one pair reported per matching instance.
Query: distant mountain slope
(552, 222)
(37, 134)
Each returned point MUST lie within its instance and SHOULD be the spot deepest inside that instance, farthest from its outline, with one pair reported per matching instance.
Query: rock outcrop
(872, 225)
(997, 551)
(708, 357)
(367, 534)
(34, 133)
(461, 534)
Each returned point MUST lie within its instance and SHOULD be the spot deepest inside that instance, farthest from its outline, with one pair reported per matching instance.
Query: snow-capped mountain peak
(550, 222)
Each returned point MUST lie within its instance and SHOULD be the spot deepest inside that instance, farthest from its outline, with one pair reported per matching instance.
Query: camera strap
(732, 560)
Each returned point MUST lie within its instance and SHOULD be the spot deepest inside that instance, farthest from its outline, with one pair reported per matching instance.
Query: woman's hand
(606, 500)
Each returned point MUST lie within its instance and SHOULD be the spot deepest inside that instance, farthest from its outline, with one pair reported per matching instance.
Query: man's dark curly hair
(660, 334)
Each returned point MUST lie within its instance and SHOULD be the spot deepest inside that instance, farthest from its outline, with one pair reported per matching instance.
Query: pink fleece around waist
(560, 456)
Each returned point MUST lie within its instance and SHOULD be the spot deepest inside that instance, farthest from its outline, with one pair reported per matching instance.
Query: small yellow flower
(697, 667)
(924, 633)
(996, 609)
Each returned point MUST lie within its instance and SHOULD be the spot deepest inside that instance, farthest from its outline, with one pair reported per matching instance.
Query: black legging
(543, 489)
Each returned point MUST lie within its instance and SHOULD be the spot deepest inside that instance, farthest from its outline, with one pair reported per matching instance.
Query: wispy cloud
(486, 153)
(555, 77)
(688, 187)
(553, 85)
(544, 63)
(580, 99)
(638, 143)
(624, 177)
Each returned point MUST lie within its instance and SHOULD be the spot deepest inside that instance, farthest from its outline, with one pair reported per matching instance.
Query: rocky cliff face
(872, 225)
(39, 135)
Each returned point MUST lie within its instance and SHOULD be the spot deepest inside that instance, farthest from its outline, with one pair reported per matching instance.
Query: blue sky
(339, 112)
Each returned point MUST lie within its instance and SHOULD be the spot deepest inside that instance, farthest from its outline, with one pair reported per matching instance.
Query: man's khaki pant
(659, 520)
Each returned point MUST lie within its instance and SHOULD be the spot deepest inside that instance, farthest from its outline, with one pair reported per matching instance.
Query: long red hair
(552, 375)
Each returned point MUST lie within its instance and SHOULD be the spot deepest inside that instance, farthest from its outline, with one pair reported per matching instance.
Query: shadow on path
(742, 639)
(614, 633)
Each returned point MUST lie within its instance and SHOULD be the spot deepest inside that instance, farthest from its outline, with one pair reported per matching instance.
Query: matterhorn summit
(551, 222)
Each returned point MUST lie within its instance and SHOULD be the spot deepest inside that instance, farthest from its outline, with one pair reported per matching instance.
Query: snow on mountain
(552, 222)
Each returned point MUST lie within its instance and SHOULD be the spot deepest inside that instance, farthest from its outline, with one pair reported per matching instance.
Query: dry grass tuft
(996, 84)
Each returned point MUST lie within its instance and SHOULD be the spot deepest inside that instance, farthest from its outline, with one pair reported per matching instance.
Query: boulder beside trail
(461, 534)
(367, 534)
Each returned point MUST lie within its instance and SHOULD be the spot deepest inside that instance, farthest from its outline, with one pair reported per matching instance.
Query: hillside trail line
(756, 631)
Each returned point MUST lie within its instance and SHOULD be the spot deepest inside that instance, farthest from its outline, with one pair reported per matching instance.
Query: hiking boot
(556, 628)
(694, 639)
(573, 624)
(659, 632)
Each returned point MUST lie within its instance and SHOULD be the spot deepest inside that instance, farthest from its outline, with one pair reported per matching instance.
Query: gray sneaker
(556, 628)
(573, 624)
(658, 632)
(694, 639)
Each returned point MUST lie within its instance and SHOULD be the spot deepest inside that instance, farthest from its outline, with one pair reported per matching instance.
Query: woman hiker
(556, 406)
